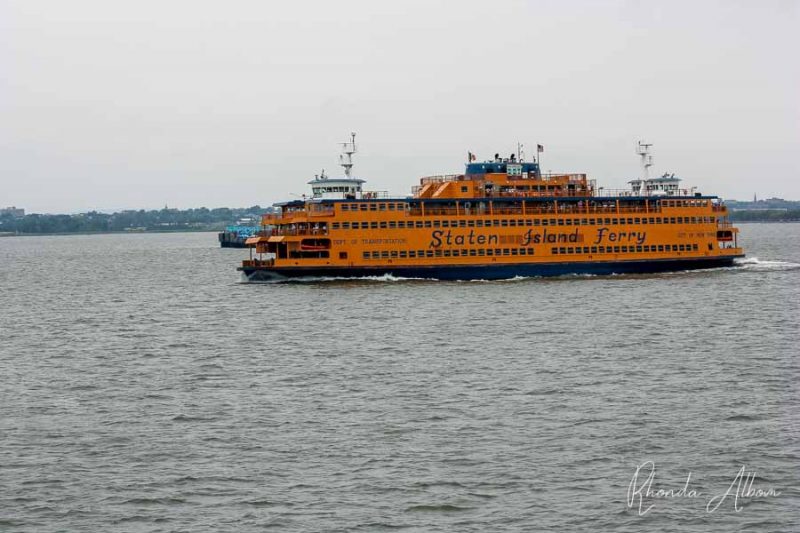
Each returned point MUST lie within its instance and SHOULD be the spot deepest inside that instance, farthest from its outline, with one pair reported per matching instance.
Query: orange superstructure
(502, 218)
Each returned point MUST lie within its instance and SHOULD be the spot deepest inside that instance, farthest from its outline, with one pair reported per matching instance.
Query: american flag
(539, 148)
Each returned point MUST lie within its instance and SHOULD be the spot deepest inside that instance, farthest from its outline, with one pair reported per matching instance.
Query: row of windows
(564, 250)
(472, 252)
(374, 206)
(647, 248)
(482, 223)
(391, 206)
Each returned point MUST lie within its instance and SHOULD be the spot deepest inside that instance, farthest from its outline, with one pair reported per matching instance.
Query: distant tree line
(200, 219)
(765, 215)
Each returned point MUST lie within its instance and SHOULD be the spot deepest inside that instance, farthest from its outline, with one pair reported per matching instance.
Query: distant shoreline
(183, 230)
(66, 233)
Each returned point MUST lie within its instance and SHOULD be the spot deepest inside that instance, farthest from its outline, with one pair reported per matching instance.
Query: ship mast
(643, 150)
(346, 158)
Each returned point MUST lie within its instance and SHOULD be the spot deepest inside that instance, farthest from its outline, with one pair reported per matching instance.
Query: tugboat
(500, 219)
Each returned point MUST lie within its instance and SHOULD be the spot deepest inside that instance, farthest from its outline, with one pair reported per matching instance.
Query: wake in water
(386, 278)
(757, 265)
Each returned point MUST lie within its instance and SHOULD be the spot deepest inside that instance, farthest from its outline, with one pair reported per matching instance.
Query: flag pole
(539, 158)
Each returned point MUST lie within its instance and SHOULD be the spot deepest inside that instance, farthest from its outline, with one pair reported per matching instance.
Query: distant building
(12, 211)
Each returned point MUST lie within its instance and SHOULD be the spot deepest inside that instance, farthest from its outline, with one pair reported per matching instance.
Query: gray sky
(109, 104)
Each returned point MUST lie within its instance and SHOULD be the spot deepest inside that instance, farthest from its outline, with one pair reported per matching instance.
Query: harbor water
(145, 389)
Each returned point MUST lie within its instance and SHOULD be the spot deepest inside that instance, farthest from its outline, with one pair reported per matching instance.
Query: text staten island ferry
(501, 218)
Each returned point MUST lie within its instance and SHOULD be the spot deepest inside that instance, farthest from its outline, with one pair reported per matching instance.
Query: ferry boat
(500, 219)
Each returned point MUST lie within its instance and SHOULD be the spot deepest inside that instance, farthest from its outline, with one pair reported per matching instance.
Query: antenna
(346, 158)
(647, 160)
(643, 150)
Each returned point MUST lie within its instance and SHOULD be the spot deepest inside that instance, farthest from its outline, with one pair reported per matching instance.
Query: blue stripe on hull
(493, 271)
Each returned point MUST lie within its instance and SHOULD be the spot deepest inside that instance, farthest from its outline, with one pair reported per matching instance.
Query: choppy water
(145, 389)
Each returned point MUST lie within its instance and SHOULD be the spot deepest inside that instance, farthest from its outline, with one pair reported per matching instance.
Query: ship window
(363, 207)
(569, 222)
(570, 250)
(392, 224)
(391, 207)
(591, 222)
(680, 220)
(428, 224)
(428, 253)
(373, 225)
(376, 255)
(536, 222)
(639, 221)
(594, 249)
(713, 219)
(481, 251)
(335, 225)
(382, 207)
(472, 252)
(644, 220)
(560, 222)
(403, 254)
(658, 220)
(554, 251)
(447, 253)
(345, 207)
(694, 247)
(393, 254)
(479, 223)
(464, 188)
(445, 223)
(383, 225)
(514, 251)
(624, 249)
(504, 222)
(562, 250)
(639, 248)
(419, 224)
(365, 255)
(412, 254)
(490, 251)
(616, 249)
(601, 249)
(365, 225)
(630, 221)
(471, 223)
(342, 255)
(437, 223)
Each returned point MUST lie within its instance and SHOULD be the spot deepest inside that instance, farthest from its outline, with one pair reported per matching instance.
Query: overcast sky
(109, 104)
